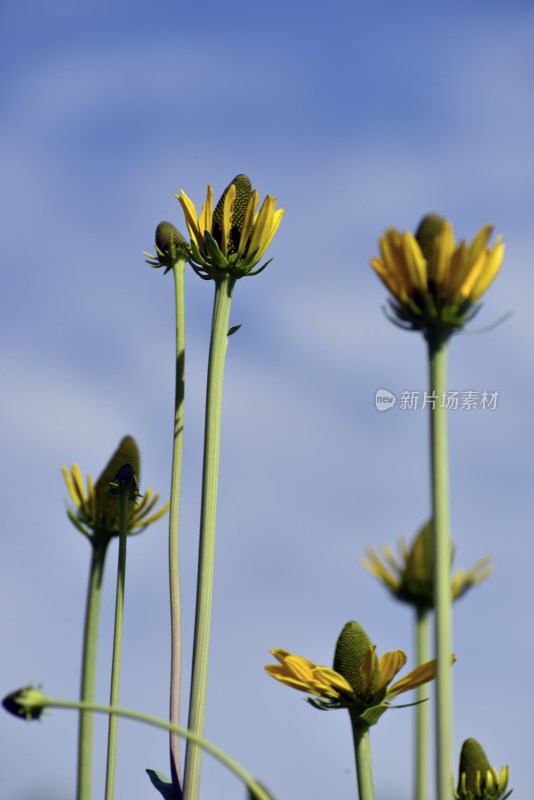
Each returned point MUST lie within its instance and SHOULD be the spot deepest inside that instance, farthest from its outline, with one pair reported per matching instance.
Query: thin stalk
(174, 522)
(115, 711)
(362, 752)
(210, 475)
(99, 545)
(117, 645)
(437, 350)
(422, 709)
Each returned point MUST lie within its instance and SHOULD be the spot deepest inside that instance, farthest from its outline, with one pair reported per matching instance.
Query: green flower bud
(351, 647)
(168, 236)
(429, 227)
(27, 703)
(478, 780)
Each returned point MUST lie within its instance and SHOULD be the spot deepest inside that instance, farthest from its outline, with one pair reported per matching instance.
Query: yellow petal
(417, 677)
(367, 667)
(391, 283)
(415, 262)
(334, 679)
(71, 488)
(492, 267)
(206, 215)
(248, 222)
(389, 664)
(278, 673)
(261, 232)
(479, 243)
(191, 217)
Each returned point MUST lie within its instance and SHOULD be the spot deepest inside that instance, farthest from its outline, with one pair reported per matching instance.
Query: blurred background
(357, 116)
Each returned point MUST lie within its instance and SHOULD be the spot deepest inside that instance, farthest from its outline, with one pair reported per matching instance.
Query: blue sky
(357, 117)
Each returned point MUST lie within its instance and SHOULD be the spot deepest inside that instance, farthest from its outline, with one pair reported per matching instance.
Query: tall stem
(422, 709)
(362, 752)
(148, 719)
(437, 350)
(99, 546)
(197, 704)
(174, 522)
(117, 645)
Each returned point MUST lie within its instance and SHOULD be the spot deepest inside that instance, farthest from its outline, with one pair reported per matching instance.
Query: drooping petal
(417, 677)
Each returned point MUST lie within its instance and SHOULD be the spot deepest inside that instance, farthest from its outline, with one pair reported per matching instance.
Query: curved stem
(174, 522)
(115, 711)
(210, 475)
(117, 645)
(437, 350)
(422, 709)
(362, 752)
(99, 546)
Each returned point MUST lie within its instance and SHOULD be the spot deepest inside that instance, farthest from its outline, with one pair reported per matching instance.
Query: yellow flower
(410, 577)
(434, 282)
(360, 681)
(96, 508)
(232, 238)
(478, 779)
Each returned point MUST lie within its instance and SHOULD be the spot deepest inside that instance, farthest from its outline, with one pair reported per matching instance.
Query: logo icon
(384, 400)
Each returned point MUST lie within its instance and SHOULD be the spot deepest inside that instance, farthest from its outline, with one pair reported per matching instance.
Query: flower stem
(117, 644)
(437, 350)
(149, 719)
(174, 522)
(422, 709)
(362, 751)
(212, 435)
(99, 546)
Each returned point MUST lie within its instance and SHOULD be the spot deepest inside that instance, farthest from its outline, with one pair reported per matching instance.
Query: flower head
(27, 703)
(96, 508)
(359, 681)
(410, 577)
(232, 238)
(478, 780)
(434, 282)
(171, 247)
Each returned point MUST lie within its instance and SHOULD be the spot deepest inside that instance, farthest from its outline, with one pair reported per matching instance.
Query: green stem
(117, 645)
(437, 350)
(422, 709)
(174, 521)
(99, 545)
(362, 752)
(197, 704)
(149, 719)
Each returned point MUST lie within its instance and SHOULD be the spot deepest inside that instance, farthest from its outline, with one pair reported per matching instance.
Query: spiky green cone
(351, 647)
(243, 188)
(429, 227)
